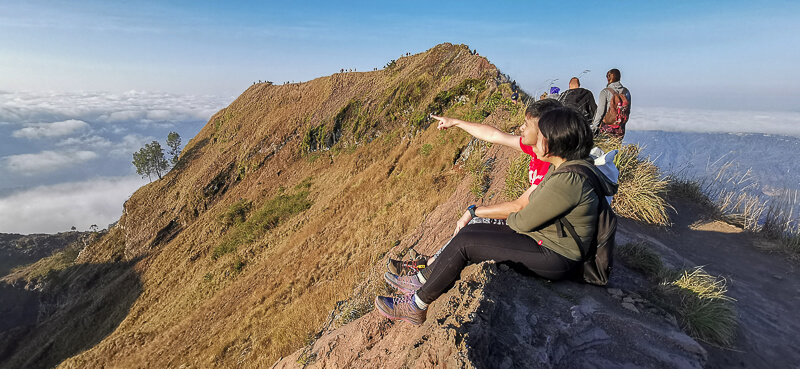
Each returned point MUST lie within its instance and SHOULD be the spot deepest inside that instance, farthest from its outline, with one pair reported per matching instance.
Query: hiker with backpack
(579, 99)
(613, 107)
(554, 236)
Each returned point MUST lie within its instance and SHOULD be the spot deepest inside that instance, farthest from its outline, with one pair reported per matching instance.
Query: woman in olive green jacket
(560, 137)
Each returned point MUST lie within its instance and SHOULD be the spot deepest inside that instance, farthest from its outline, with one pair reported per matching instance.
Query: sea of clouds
(65, 158)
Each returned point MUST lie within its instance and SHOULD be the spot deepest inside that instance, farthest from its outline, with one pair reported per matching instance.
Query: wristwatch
(471, 210)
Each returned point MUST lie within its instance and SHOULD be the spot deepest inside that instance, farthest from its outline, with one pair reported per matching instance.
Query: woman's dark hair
(567, 134)
(537, 108)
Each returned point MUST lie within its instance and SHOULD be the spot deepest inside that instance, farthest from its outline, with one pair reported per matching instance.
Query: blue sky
(701, 54)
(84, 84)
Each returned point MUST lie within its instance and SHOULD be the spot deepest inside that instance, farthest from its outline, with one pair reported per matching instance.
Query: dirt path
(765, 285)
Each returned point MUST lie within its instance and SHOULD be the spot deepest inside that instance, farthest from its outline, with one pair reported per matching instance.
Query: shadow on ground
(76, 309)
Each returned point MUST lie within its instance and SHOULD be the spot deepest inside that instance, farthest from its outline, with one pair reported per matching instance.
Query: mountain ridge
(202, 291)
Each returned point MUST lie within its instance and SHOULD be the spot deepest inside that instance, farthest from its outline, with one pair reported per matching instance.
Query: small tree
(150, 160)
(174, 144)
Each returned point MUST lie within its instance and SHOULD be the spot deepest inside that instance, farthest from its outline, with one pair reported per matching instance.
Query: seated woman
(531, 239)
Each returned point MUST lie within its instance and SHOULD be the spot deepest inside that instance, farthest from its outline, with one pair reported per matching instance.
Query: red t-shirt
(537, 168)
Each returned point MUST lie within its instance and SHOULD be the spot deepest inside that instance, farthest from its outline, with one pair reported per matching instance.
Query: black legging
(480, 242)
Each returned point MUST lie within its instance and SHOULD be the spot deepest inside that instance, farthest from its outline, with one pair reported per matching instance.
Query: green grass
(271, 214)
(517, 177)
(640, 257)
(478, 168)
(236, 213)
(426, 149)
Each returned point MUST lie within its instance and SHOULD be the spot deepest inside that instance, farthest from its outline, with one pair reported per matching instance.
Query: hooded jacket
(581, 100)
(559, 195)
(603, 100)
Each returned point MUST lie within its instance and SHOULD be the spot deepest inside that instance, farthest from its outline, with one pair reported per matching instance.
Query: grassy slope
(259, 302)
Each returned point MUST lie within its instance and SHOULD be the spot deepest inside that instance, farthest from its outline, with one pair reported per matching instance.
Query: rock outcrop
(496, 318)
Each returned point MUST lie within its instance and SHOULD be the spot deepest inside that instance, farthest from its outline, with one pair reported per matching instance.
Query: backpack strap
(590, 176)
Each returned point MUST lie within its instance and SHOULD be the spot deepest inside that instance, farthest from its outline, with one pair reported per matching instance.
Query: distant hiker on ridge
(533, 236)
(579, 99)
(613, 107)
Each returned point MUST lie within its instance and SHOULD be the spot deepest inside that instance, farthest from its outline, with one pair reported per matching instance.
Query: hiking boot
(404, 284)
(402, 307)
(408, 267)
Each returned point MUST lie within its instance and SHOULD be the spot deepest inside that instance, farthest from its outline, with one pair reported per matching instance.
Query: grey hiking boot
(407, 267)
(404, 284)
(402, 308)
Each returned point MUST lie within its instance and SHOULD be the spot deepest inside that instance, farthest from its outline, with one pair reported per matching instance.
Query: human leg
(481, 242)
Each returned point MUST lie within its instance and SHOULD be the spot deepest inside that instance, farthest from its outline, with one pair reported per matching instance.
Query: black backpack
(597, 260)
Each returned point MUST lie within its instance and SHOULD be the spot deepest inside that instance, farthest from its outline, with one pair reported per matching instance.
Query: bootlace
(405, 302)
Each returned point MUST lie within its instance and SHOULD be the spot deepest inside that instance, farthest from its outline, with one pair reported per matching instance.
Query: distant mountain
(17, 250)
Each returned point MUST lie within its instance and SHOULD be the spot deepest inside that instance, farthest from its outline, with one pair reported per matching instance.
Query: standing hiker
(579, 99)
(613, 107)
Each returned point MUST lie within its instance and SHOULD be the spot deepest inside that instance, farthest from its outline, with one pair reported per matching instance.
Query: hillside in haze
(266, 242)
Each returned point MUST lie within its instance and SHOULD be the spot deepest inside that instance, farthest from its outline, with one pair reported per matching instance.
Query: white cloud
(129, 145)
(43, 130)
(46, 161)
(56, 208)
(695, 120)
(127, 107)
(96, 142)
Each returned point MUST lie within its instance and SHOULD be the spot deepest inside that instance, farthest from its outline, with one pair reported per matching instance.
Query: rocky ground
(497, 318)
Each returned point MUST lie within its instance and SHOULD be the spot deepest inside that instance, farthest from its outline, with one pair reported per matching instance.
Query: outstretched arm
(480, 131)
(496, 211)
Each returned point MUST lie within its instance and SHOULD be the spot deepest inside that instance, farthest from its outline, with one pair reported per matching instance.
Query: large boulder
(495, 317)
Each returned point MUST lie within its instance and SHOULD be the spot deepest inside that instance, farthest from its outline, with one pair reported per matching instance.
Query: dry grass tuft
(641, 186)
(478, 167)
(517, 180)
(781, 225)
(708, 313)
(699, 299)
(640, 257)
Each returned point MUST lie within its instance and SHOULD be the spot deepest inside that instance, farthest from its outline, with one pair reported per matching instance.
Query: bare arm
(496, 211)
(480, 131)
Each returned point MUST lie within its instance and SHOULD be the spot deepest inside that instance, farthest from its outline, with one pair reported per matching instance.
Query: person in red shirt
(495, 213)
(491, 134)
(536, 169)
